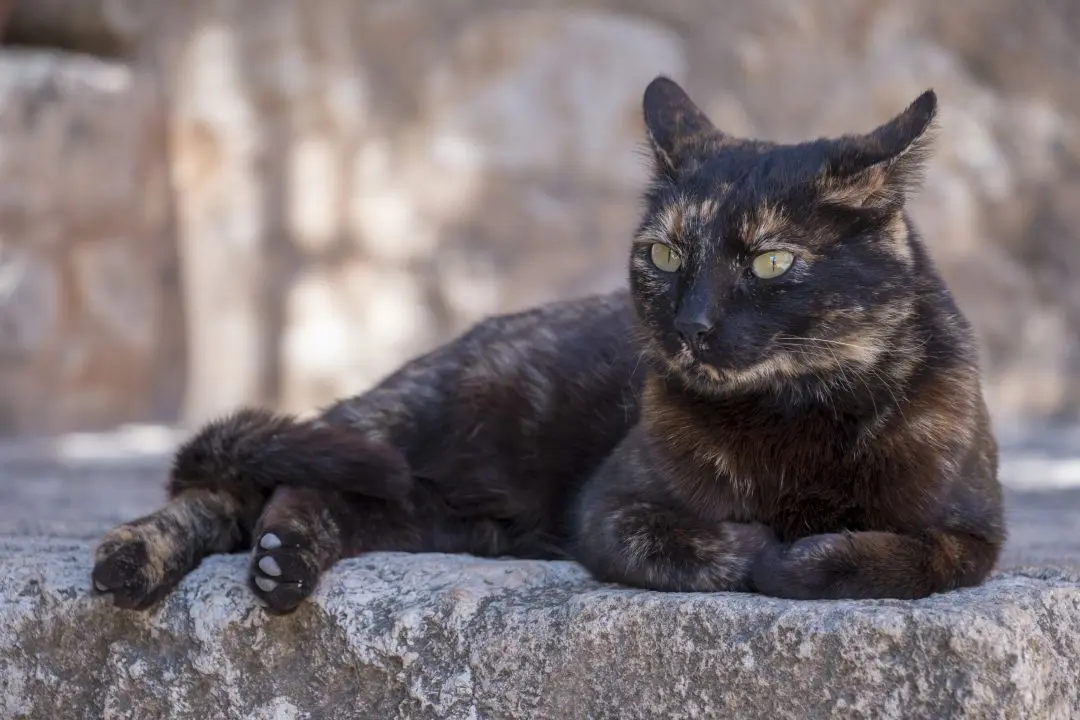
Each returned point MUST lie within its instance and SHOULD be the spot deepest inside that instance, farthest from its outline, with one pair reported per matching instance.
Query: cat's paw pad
(132, 566)
(284, 570)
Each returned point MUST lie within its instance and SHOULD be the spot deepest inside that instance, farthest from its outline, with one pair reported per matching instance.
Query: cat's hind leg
(302, 532)
(221, 479)
(213, 503)
(139, 562)
(299, 535)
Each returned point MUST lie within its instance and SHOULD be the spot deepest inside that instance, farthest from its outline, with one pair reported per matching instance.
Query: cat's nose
(694, 329)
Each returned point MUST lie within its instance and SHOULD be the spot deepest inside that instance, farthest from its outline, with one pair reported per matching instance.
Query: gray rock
(430, 636)
(456, 637)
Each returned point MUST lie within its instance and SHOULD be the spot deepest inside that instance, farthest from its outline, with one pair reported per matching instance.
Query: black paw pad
(284, 570)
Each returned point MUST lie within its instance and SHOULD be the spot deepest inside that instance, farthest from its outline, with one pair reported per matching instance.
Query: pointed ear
(880, 169)
(673, 123)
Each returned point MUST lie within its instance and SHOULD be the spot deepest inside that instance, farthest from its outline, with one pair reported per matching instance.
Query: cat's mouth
(693, 366)
(700, 370)
(714, 357)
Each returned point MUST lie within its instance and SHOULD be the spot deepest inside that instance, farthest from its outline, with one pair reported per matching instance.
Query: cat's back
(530, 404)
(599, 322)
(540, 391)
(555, 366)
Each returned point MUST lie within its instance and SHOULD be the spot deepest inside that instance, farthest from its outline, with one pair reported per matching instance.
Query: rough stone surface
(430, 636)
(450, 637)
(88, 307)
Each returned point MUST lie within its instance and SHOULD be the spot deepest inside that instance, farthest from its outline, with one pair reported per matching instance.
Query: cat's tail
(261, 450)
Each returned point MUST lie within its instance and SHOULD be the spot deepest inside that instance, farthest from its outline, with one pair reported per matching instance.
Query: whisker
(861, 374)
(798, 338)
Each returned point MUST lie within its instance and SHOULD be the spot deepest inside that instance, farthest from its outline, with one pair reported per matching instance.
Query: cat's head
(757, 262)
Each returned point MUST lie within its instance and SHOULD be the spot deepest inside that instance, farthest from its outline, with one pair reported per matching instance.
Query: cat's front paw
(136, 564)
(284, 569)
(815, 567)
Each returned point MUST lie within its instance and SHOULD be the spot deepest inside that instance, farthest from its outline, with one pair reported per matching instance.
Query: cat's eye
(664, 257)
(772, 264)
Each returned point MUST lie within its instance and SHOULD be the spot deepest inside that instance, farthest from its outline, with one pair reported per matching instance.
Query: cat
(785, 400)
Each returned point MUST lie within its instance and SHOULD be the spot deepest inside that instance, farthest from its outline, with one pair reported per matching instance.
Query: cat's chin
(707, 379)
(774, 370)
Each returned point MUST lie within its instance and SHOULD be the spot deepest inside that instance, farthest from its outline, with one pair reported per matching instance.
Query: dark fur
(826, 438)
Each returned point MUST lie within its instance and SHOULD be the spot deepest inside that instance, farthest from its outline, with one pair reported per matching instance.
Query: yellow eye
(665, 258)
(772, 264)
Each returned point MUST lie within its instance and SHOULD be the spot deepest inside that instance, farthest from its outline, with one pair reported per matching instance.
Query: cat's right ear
(673, 123)
(880, 169)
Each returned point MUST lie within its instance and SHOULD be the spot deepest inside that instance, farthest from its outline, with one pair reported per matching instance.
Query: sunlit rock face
(355, 182)
(90, 331)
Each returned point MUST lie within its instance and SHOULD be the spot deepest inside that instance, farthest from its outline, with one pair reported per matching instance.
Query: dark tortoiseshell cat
(786, 401)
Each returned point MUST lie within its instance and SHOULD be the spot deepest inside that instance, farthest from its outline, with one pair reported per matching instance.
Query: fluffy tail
(260, 450)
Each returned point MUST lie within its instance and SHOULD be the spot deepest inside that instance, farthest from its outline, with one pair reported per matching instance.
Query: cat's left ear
(880, 169)
(674, 123)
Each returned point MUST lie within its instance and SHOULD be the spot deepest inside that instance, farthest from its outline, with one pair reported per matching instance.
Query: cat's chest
(795, 500)
(801, 473)
(818, 479)
(747, 448)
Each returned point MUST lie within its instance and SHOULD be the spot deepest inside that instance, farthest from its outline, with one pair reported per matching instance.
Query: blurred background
(205, 203)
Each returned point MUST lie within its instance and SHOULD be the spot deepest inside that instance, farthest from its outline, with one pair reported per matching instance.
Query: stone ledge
(428, 636)
(422, 636)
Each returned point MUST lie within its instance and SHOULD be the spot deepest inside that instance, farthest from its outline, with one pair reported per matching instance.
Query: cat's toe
(269, 541)
(269, 566)
(137, 564)
(284, 571)
(124, 572)
(265, 584)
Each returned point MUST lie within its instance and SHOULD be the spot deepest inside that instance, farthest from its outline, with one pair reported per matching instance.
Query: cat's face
(757, 262)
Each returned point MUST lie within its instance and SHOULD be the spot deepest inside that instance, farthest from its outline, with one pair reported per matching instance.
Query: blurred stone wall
(212, 202)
